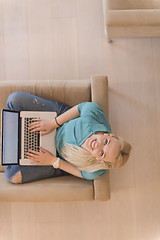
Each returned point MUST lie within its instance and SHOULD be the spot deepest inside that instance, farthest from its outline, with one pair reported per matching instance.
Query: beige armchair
(131, 18)
(67, 188)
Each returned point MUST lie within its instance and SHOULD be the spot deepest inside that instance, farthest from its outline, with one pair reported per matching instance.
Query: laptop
(16, 139)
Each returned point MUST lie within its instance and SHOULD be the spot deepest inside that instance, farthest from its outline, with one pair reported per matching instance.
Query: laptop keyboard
(31, 140)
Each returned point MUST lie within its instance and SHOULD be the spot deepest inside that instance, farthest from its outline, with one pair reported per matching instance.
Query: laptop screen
(10, 137)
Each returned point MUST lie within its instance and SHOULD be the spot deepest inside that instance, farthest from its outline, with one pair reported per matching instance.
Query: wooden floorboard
(46, 39)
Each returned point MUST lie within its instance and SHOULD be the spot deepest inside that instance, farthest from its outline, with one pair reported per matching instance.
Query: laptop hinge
(19, 137)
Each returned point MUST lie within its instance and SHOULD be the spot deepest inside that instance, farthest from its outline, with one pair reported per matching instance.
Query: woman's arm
(47, 125)
(68, 115)
(68, 167)
(46, 158)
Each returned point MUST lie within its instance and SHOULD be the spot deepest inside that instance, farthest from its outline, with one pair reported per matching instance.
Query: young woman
(85, 146)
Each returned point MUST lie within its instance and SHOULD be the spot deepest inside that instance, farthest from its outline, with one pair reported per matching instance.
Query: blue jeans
(21, 101)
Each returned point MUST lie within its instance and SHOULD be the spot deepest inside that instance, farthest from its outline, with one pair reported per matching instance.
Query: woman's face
(105, 147)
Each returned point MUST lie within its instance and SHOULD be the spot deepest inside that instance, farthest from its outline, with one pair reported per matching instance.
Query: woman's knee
(14, 99)
(13, 174)
(17, 178)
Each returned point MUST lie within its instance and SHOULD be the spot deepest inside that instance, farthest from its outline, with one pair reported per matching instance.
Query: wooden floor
(64, 39)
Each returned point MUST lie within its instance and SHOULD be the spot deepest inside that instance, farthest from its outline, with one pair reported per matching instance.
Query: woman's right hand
(44, 125)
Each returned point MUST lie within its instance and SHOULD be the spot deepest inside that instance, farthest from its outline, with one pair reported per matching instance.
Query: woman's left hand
(45, 126)
(41, 158)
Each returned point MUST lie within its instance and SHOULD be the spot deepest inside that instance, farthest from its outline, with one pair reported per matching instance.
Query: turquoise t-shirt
(92, 119)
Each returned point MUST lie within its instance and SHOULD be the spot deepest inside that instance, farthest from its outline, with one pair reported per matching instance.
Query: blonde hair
(84, 160)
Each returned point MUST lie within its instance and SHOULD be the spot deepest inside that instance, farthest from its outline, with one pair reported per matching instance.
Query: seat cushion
(130, 4)
(67, 188)
(69, 92)
(133, 18)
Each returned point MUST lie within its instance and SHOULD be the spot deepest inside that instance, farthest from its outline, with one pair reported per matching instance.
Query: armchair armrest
(99, 91)
(99, 95)
(102, 187)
